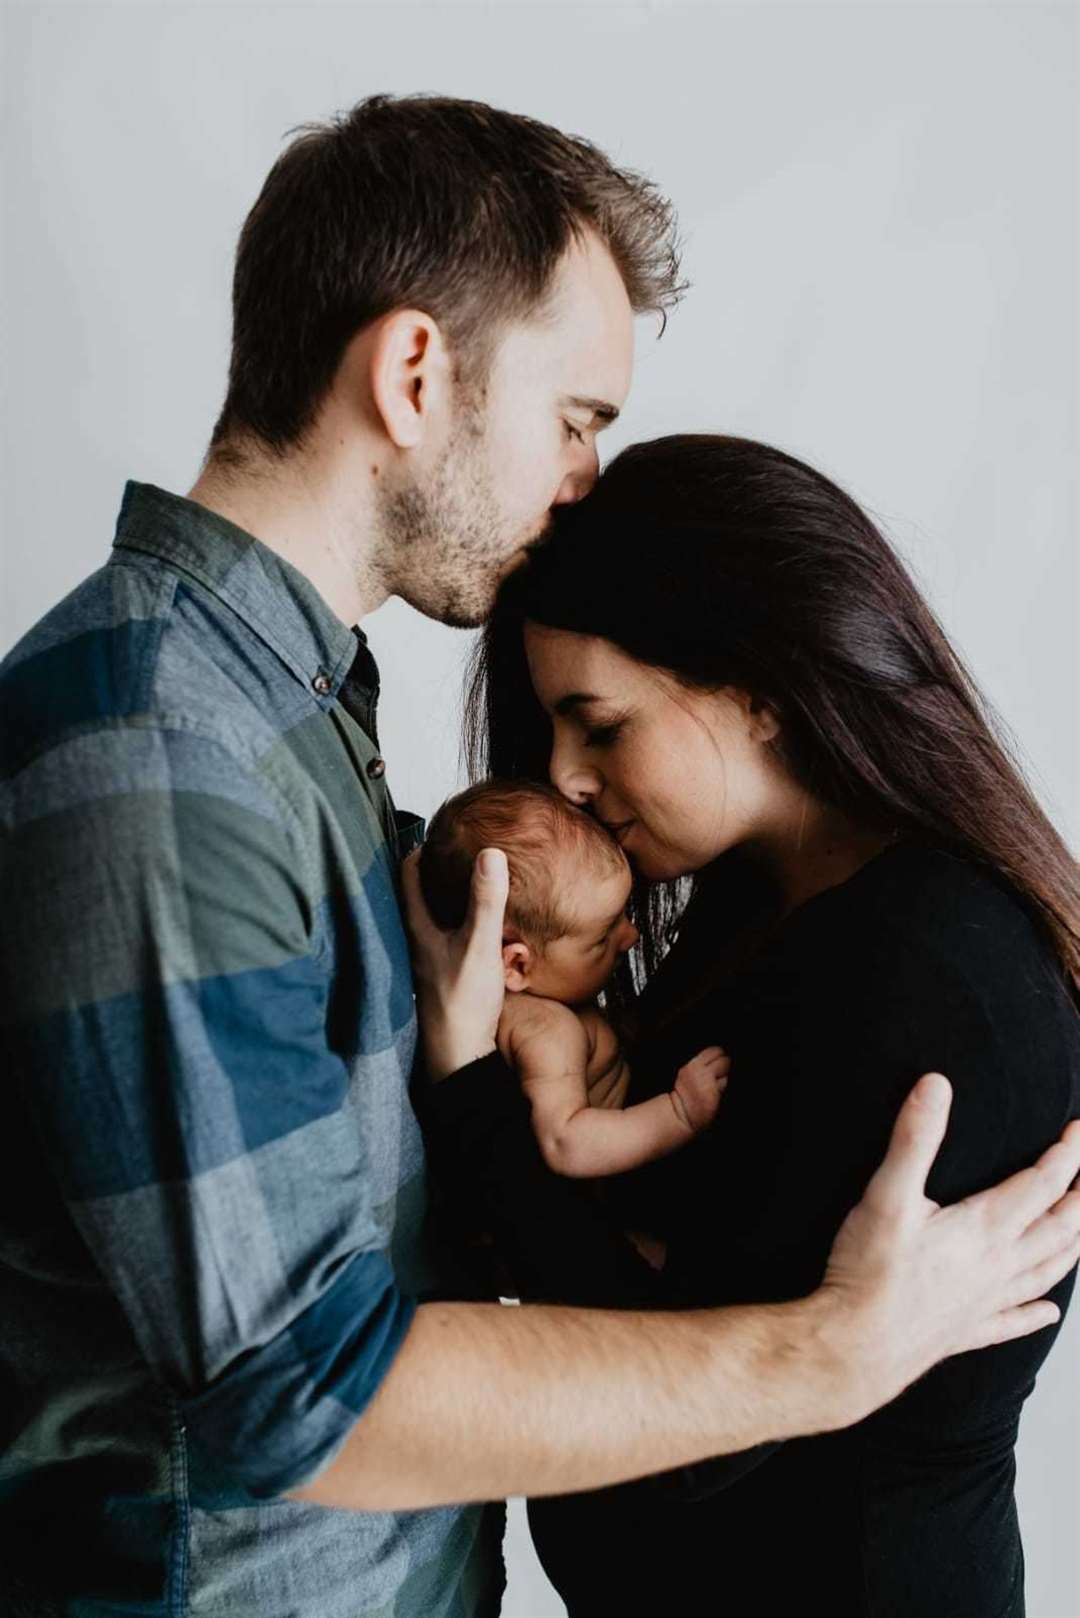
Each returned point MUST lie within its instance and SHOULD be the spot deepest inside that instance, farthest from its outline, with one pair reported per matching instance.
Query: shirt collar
(270, 595)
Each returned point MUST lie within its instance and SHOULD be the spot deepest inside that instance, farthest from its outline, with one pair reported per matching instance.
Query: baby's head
(566, 922)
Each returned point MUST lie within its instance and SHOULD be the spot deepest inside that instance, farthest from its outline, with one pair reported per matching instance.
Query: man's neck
(302, 508)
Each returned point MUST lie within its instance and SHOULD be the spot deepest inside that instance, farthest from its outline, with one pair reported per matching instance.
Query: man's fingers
(1034, 1283)
(487, 900)
(1059, 1227)
(1012, 1323)
(1018, 1201)
(418, 922)
(899, 1186)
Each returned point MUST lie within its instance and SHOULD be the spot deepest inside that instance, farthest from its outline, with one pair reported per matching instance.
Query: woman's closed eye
(576, 433)
(603, 735)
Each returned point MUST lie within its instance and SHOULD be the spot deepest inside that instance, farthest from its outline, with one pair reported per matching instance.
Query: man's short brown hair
(450, 206)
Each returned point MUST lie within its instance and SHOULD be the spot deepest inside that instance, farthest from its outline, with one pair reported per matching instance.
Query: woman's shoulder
(922, 962)
(920, 904)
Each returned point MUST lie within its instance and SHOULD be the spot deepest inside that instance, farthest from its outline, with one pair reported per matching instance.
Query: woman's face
(677, 775)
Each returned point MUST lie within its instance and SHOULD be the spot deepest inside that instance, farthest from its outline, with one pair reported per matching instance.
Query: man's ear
(411, 375)
(517, 965)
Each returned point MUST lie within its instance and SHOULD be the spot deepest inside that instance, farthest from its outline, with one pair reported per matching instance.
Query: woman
(720, 656)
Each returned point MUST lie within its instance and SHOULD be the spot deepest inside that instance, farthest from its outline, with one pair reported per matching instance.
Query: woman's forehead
(564, 664)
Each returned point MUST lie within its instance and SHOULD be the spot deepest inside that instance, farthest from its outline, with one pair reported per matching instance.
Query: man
(220, 1314)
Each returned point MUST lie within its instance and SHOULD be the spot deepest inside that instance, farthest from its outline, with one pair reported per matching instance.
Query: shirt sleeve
(168, 1009)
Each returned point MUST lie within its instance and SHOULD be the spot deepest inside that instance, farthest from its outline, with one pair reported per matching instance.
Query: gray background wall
(880, 205)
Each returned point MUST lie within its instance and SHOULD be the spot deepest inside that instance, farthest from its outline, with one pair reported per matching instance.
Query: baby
(566, 927)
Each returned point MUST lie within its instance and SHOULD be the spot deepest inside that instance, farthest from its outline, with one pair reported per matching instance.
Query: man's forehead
(581, 341)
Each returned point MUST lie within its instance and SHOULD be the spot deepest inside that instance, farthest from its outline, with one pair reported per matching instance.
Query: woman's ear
(410, 375)
(763, 724)
(517, 965)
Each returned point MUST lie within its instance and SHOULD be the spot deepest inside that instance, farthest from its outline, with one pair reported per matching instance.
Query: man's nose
(576, 484)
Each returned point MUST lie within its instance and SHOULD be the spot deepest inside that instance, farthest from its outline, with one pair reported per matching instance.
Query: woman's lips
(618, 828)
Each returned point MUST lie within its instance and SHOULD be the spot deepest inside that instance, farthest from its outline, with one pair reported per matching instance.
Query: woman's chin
(653, 866)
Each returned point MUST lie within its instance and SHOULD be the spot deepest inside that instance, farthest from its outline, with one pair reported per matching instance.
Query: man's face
(524, 443)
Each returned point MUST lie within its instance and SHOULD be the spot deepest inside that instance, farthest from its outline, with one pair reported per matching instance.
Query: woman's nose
(571, 776)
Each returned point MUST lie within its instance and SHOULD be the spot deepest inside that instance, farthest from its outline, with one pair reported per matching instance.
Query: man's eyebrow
(607, 413)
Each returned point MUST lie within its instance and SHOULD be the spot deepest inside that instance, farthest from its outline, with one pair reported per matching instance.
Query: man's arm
(481, 1401)
(484, 1401)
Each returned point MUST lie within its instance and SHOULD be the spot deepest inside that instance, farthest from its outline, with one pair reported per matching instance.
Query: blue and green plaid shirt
(211, 1181)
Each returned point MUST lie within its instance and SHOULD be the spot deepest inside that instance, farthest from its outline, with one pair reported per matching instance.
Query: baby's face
(575, 967)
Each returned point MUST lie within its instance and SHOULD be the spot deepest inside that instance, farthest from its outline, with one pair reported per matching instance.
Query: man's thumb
(487, 897)
(900, 1183)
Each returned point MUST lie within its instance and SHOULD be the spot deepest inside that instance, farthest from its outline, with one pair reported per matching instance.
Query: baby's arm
(552, 1050)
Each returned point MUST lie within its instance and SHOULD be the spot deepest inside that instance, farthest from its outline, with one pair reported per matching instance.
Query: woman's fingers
(898, 1188)
(1023, 1198)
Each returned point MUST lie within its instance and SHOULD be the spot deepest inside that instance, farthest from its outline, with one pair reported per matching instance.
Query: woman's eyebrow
(572, 700)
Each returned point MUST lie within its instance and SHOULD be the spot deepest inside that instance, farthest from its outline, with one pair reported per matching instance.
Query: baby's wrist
(678, 1107)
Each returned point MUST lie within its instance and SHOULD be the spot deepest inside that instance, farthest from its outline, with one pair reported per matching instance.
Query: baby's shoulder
(528, 1018)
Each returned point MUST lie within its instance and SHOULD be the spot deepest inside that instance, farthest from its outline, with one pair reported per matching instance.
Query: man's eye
(602, 735)
(574, 432)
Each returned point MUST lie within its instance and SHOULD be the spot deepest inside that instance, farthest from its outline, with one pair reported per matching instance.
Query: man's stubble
(448, 540)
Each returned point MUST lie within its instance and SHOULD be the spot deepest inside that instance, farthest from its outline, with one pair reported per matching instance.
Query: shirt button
(322, 683)
(376, 768)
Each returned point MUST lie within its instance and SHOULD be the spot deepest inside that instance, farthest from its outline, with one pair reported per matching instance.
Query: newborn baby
(566, 926)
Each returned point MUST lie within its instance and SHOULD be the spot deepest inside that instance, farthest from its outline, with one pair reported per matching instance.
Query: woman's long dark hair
(728, 563)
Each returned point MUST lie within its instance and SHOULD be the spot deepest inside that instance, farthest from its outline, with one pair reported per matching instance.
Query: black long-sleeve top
(920, 961)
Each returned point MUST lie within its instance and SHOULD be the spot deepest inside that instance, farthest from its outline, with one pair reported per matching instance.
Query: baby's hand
(699, 1084)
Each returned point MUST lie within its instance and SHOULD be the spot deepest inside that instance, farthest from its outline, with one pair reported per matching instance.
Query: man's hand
(917, 1282)
(459, 976)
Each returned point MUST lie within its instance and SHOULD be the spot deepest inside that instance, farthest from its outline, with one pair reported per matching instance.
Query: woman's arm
(558, 1244)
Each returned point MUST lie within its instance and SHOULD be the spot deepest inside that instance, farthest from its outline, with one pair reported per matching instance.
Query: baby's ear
(517, 964)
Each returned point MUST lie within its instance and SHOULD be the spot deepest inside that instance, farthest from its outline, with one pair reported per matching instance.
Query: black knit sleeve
(555, 1239)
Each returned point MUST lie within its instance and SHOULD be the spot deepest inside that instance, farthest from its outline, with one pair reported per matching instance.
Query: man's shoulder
(135, 652)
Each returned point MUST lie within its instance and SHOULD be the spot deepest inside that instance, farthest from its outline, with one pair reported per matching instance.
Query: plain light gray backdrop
(880, 210)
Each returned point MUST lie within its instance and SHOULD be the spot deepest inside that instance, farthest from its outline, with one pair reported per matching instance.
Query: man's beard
(448, 541)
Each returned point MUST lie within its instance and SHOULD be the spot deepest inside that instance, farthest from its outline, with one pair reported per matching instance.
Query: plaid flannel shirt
(211, 1180)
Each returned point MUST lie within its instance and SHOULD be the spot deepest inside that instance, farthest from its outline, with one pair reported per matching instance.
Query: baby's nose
(630, 936)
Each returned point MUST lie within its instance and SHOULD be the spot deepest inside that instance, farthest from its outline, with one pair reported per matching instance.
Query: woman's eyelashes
(576, 433)
(603, 735)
